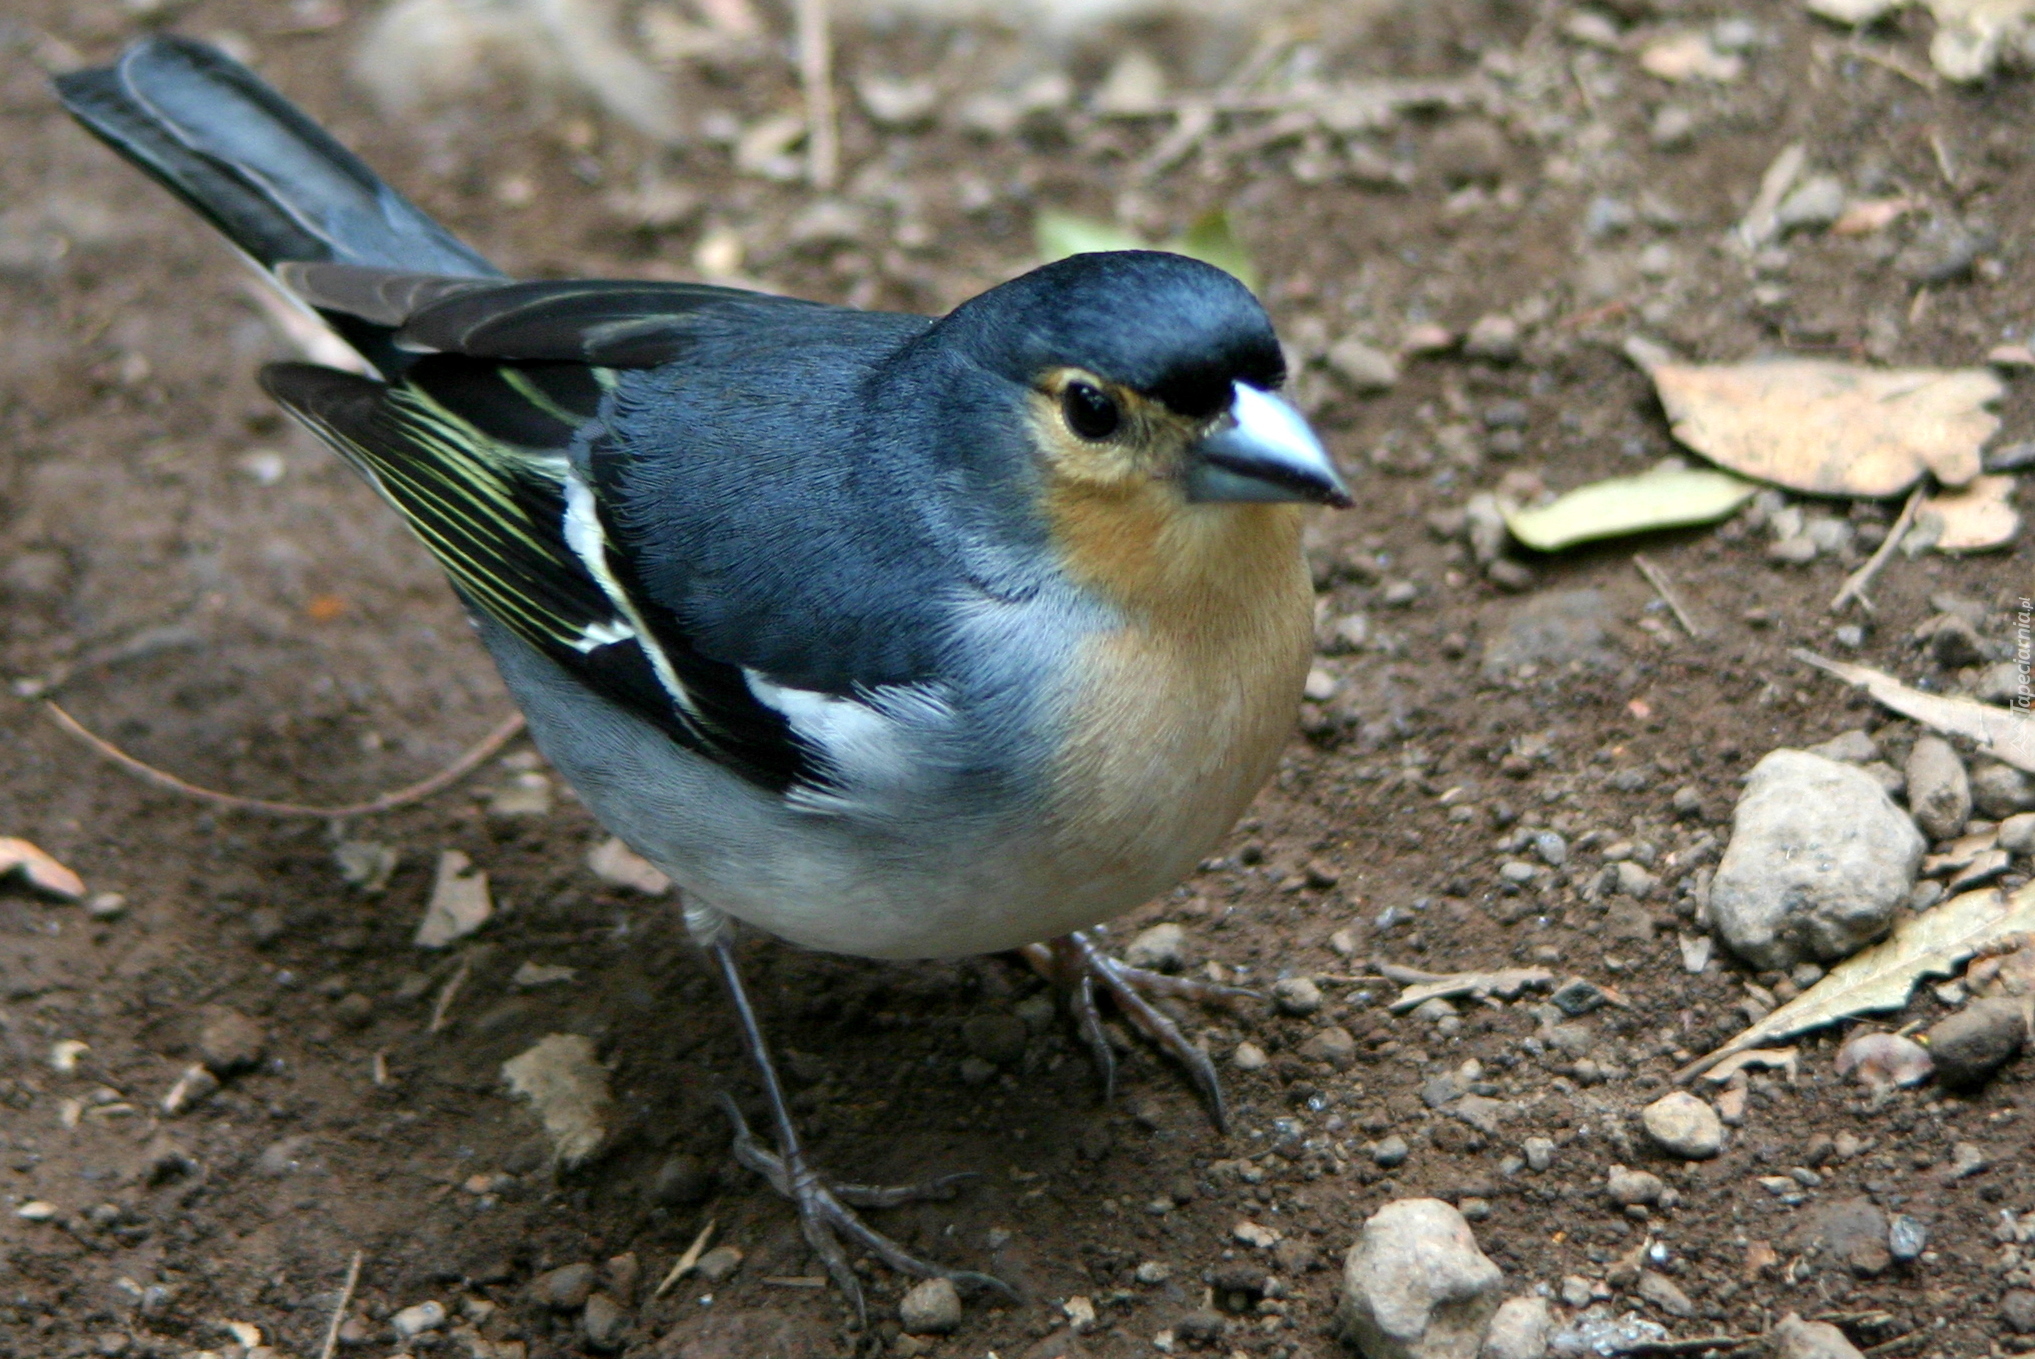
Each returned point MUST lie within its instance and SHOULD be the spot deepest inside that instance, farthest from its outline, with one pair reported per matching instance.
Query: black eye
(1089, 412)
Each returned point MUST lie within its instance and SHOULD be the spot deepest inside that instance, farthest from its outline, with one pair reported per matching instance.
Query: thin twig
(816, 74)
(1855, 583)
(685, 1263)
(1659, 580)
(387, 802)
(1927, 80)
(331, 1344)
(447, 994)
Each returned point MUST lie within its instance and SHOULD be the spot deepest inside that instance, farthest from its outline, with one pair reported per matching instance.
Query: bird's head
(1147, 371)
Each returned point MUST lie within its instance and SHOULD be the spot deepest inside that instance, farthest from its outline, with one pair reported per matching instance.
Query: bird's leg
(824, 1214)
(1074, 965)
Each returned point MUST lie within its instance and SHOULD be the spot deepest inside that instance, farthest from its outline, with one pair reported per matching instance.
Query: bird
(891, 636)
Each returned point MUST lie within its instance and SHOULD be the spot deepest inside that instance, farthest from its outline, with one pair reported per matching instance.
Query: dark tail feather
(208, 130)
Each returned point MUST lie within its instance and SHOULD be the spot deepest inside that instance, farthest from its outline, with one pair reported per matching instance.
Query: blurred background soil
(201, 583)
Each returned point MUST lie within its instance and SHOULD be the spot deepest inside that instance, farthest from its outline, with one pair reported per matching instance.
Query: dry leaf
(612, 861)
(42, 872)
(1504, 982)
(460, 903)
(1881, 977)
(1884, 1060)
(1875, 214)
(2002, 970)
(1670, 498)
(1690, 56)
(1974, 518)
(1828, 428)
(565, 1083)
(1766, 1059)
(1999, 732)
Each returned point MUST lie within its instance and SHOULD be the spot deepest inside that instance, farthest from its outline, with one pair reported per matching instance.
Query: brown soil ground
(279, 635)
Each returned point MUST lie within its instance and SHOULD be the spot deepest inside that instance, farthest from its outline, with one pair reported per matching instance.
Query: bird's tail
(276, 184)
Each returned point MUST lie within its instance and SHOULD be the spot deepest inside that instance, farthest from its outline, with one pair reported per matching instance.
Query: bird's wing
(485, 445)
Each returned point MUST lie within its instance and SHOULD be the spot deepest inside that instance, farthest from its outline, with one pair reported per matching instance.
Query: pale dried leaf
(1690, 56)
(614, 862)
(568, 1088)
(1828, 428)
(459, 905)
(1975, 518)
(1766, 1059)
(1999, 732)
(1504, 982)
(1882, 976)
(1853, 11)
(2004, 971)
(41, 871)
(1672, 498)
(1884, 1060)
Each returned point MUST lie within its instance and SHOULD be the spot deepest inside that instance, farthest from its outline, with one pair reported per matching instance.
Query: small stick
(795, 1280)
(816, 73)
(685, 1263)
(1896, 65)
(1855, 583)
(443, 1006)
(1659, 580)
(387, 802)
(331, 1344)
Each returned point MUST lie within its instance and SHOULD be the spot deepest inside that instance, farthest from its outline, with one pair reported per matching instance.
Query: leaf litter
(1998, 732)
(1665, 498)
(1210, 239)
(39, 869)
(1882, 976)
(1826, 428)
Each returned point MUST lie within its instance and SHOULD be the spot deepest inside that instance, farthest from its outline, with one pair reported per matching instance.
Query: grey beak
(1264, 451)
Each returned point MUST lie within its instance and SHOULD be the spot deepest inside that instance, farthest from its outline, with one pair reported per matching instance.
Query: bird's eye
(1089, 412)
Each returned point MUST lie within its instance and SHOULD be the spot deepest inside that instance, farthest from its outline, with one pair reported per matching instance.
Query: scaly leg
(824, 1214)
(1074, 965)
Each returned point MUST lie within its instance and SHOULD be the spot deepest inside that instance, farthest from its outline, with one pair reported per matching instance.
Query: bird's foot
(826, 1215)
(1074, 965)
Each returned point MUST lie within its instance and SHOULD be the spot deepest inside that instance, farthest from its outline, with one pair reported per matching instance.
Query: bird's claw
(825, 1217)
(1076, 966)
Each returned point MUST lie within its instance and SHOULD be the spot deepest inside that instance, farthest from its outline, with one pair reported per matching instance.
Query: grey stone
(998, 1038)
(932, 1307)
(2017, 834)
(1850, 747)
(1939, 791)
(1661, 1291)
(412, 1322)
(1953, 640)
(1849, 1231)
(1415, 1285)
(1540, 1153)
(1907, 1238)
(1296, 996)
(230, 1042)
(1794, 1338)
(1390, 1152)
(1554, 630)
(1333, 1045)
(1481, 1112)
(1815, 203)
(1819, 861)
(1628, 1187)
(1673, 128)
(682, 1180)
(2017, 1310)
(1999, 791)
(1684, 1125)
(1578, 995)
(1978, 1040)
(564, 1289)
(1365, 368)
(1494, 337)
(718, 1263)
(1552, 849)
(603, 1322)
(1162, 948)
(2011, 457)
(1519, 1329)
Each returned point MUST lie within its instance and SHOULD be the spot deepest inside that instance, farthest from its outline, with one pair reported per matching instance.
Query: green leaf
(1209, 239)
(1060, 234)
(1673, 498)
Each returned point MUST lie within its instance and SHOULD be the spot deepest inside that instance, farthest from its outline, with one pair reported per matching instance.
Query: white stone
(1415, 1285)
(1162, 948)
(1819, 861)
(1684, 1125)
(1520, 1329)
(932, 1307)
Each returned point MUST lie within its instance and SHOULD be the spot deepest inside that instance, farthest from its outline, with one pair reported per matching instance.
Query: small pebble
(1906, 1238)
(564, 1289)
(1152, 1272)
(1162, 948)
(1390, 1152)
(1296, 996)
(1494, 337)
(932, 1307)
(412, 1322)
(718, 1263)
(1684, 1125)
(230, 1042)
(1966, 1160)
(1540, 1153)
(1551, 847)
(1629, 1187)
(1248, 1057)
(603, 1322)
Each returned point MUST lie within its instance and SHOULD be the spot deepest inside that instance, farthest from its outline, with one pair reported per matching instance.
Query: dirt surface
(205, 586)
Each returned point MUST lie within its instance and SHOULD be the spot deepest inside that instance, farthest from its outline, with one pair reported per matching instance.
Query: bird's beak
(1263, 451)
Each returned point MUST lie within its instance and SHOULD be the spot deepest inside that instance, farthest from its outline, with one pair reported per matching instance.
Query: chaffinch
(889, 635)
